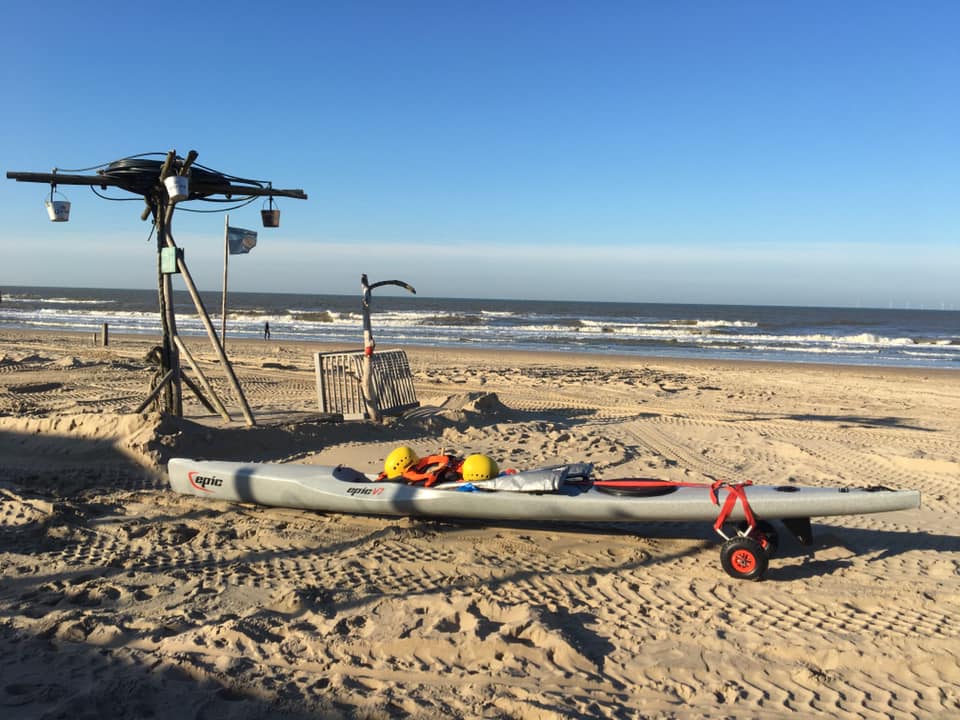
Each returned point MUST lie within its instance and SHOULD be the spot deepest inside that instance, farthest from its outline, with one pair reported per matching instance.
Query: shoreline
(202, 342)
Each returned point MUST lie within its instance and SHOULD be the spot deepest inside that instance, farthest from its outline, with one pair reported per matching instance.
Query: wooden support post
(105, 335)
(175, 387)
(203, 379)
(167, 168)
(191, 157)
(369, 345)
(153, 190)
(159, 219)
(196, 391)
(164, 382)
(223, 303)
(212, 334)
(174, 397)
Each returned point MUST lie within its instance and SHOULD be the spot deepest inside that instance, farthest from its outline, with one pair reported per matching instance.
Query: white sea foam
(54, 301)
(706, 331)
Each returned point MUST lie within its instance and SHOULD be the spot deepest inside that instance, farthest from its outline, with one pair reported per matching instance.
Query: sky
(786, 153)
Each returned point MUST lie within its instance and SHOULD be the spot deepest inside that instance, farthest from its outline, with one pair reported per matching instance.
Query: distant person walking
(266, 331)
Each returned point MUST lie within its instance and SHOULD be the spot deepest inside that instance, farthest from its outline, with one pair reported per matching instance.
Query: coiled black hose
(140, 175)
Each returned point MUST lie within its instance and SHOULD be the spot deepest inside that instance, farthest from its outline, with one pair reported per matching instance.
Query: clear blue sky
(733, 152)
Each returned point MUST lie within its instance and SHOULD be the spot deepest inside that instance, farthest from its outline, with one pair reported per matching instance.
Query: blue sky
(729, 152)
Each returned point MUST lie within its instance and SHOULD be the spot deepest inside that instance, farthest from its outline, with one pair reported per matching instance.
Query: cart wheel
(766, 534)
(743, 558)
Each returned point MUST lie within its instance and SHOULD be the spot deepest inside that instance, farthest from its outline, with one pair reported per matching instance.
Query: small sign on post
(168, 260)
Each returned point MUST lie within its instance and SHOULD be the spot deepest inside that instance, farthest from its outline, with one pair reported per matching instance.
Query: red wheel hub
(743, 560)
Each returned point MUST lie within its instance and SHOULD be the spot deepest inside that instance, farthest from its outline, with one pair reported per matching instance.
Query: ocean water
(891, 337)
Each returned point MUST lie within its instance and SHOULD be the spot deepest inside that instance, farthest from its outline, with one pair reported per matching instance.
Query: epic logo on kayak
(204, 482)
(364, 491)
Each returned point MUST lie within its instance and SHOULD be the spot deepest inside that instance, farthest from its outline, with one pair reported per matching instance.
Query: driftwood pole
(175, 406)
(214, 401)
(370, 397)
(165, 301)
(163, 385)
(212, 333)
(223, 302)
(369, 345)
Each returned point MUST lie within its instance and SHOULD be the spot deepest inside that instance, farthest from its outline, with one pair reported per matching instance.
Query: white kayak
(565, 493)
(562, 493)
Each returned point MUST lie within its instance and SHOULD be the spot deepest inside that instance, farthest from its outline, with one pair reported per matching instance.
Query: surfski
(563, 493)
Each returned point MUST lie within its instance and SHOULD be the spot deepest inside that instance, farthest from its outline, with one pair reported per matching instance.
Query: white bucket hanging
(58, 210)
(178, 187)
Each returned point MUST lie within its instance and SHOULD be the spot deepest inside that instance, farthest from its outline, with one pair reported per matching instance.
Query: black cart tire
(743, 558)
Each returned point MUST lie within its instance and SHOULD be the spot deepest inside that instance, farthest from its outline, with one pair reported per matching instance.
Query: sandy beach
(120, 598)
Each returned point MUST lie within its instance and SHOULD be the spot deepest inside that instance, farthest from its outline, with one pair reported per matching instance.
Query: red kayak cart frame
(746, 553)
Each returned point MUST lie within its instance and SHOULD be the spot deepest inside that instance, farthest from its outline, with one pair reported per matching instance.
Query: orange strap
(735, 492)
(431, 469)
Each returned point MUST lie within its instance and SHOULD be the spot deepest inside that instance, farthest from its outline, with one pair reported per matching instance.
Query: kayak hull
(344, 490)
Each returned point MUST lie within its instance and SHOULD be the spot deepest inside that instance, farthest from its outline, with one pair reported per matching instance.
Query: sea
(920, 338)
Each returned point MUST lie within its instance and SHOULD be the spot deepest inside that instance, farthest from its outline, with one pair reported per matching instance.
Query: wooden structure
(148, 177)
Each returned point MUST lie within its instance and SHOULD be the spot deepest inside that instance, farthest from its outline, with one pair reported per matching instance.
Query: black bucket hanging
(270, 215)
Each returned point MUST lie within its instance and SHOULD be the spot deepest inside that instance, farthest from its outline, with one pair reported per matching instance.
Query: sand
(120, 598)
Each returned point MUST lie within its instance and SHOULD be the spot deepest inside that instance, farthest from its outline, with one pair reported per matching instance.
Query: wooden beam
(60, 179)
(202, 189)
(238, 192)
